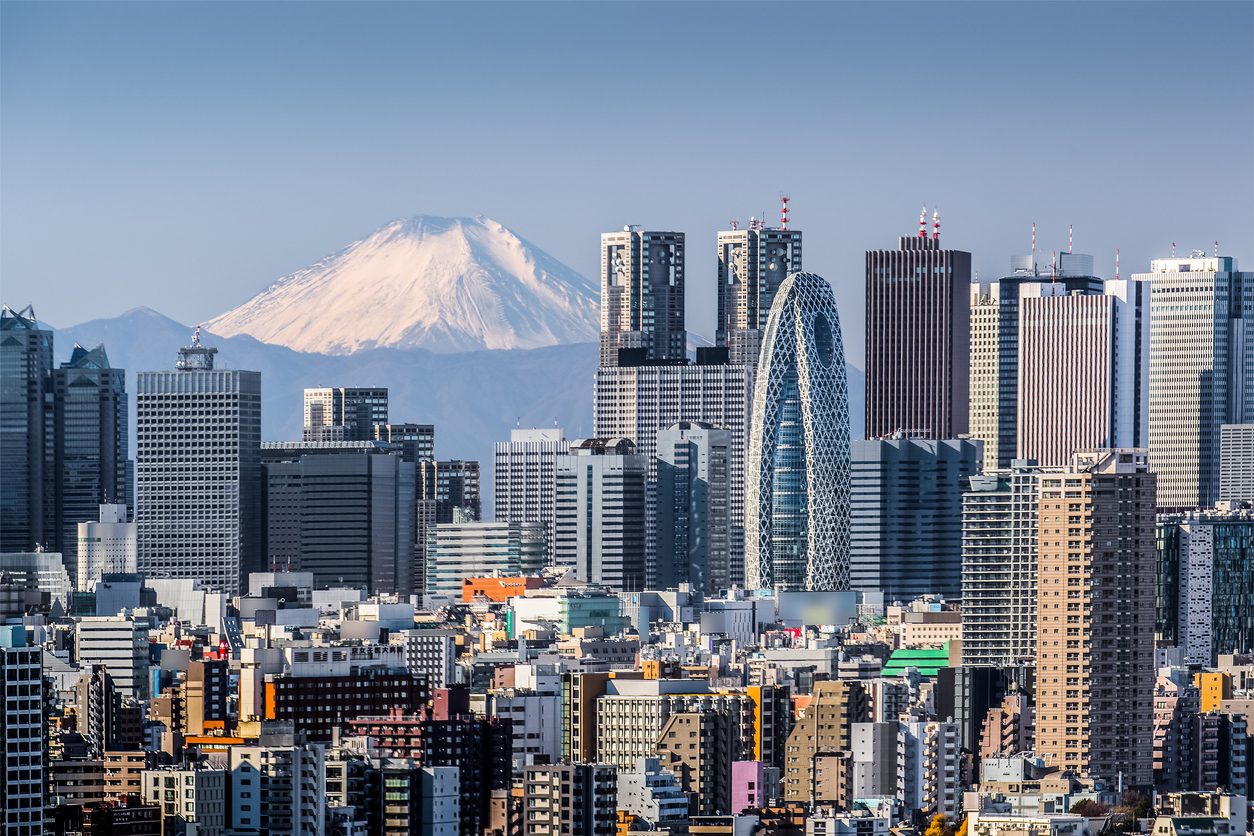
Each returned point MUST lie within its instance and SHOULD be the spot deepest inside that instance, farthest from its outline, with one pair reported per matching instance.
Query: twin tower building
(773, 386)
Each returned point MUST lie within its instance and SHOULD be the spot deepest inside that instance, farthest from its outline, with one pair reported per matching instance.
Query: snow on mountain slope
(442, 284)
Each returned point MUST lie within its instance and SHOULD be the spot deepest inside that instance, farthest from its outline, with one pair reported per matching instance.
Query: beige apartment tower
(642, 297)
(1095, 670)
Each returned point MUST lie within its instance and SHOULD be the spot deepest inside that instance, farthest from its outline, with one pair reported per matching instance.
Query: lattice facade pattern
(797, 467)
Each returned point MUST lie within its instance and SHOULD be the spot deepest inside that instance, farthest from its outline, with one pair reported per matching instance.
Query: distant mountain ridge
(446, 285)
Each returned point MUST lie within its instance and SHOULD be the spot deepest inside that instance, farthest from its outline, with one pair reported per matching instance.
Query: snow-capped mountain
(442, 284)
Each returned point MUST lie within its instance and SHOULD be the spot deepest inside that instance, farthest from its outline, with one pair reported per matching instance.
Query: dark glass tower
(918, 325)
(26, 451)
(89, 401)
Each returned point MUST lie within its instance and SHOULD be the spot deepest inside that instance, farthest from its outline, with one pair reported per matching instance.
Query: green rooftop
(929, 660)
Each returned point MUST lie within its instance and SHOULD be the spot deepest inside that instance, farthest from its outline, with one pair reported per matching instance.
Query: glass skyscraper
(797, 468)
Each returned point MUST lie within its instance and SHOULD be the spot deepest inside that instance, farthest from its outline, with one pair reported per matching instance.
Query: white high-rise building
(929, 760)
(198, 471)
(105, 546)
(1201, 370)
(522, 474)
(456, 551)
(1236, 463)
(985, 373)
(278, 787)
(638, 402)
(338, 413)
(1083, 370)
(999, 567)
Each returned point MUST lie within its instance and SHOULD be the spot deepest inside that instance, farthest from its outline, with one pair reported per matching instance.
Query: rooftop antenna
(1053, 266)
(196, 333)
(1173, 249)
(783, 211)
(1116, 263)
(1216, 248)
(923, 221)
(1033, 247)
(1070, 237)
(735, 225)
(936, 225)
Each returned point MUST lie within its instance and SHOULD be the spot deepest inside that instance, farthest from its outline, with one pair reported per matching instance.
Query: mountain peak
(442, 284)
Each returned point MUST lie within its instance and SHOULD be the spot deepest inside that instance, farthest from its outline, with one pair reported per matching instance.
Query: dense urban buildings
(338, 413)
(198, 471)
(797, 469)
(917, 338)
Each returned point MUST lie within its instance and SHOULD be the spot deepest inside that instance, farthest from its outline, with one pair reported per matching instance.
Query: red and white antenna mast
(783, 211)
(735, 225)
(923, 222)
(936, 225)
(1034, 247)
(1070, 237)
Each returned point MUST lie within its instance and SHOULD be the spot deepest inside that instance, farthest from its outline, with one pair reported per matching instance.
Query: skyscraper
(642, 296)
(752, 264)
(1202, 324)
(339, 413)
(994, 376)
(694, 507)
(1095, 668)
(416, 440)
(999, 585)
(456, 551)
(905, 515)
(599, 513)
(637, 402)
(346, 517)
(797, 468)
(523, 474)
(25, 447)
(1083, 370)
(198, 471)
(90, 443)
(22, 728)
(917, 338)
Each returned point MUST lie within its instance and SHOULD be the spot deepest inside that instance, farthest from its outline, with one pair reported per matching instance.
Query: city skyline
(195, 160)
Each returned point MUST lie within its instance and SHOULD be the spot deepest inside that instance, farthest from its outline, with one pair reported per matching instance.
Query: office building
(42, 572)
(198, 471)
(89, 443)
(694, 507)
(1083, 370)
(568, 799)
(25, 448)
(22, 728)
(994, 377)
(905, 515)
(917, 337)
(431, 653)
(649, 791)
(599, 513)
(347, 517)
(797, 465)
(638, 402)
(642, 296)
(752, 264)
(118, 643)
(1202, 320)
(1236, 463)
(453, 485)
(456, 551)
(417, 441)
(1095, 667)
(523, 476)
(338, 413)
(107, 545)
(999, 582)
(1213, 564)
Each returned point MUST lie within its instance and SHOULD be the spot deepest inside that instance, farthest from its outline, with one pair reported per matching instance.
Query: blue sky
(184, 155)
